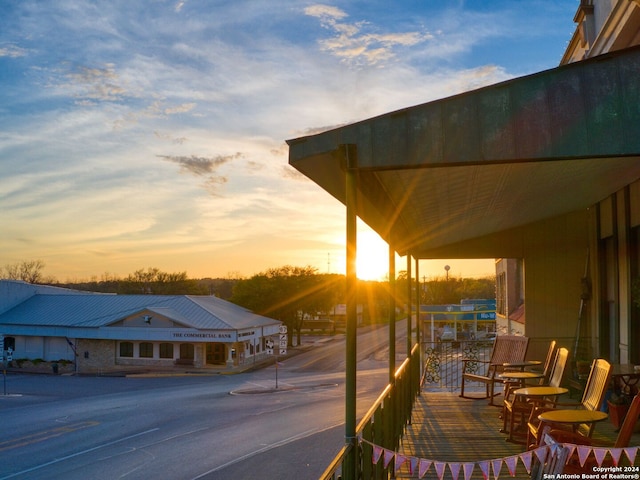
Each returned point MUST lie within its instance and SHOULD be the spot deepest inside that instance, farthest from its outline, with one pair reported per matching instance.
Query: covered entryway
(216, 354)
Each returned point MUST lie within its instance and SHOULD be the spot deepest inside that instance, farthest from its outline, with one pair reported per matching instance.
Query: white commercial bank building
(106, 331)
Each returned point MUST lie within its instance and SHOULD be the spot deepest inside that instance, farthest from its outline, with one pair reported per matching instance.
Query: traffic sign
(282, 330)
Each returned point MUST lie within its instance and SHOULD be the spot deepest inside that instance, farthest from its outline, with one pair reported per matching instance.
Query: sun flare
(372, 258)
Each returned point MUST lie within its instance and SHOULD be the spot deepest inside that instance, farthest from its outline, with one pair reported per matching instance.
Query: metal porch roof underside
(458, 169)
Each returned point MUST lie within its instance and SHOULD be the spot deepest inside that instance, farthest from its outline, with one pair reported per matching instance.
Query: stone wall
(95, 356)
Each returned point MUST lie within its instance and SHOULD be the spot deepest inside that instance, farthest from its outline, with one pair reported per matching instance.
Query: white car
(448, 334)
(486, 336)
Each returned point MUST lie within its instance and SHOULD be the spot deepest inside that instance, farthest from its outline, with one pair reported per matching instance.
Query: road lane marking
(44, 435)
(268, 447)
(77, 454)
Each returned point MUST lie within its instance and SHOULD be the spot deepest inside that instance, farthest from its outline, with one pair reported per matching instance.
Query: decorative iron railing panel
(443, 362)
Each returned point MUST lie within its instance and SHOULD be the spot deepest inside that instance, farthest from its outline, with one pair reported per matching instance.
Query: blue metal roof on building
(87, 311)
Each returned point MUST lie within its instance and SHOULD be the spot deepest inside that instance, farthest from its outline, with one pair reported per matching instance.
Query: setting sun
(372, 261)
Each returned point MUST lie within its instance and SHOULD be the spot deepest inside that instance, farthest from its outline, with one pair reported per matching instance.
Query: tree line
(290, 294)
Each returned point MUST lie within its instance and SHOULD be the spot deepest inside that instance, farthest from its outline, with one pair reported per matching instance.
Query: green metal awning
(450, 171)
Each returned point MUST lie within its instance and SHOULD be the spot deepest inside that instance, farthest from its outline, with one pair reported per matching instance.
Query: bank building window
(126, 349)
(146, 350)
(166, 350)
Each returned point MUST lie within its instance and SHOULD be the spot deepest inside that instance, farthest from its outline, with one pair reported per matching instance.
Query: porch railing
(385, 421)
(382, 425)
(443, 362)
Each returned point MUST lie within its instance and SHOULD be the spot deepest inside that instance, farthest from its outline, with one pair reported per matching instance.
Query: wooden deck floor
(446, 428)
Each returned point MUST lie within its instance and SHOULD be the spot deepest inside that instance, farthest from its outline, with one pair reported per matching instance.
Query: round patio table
(540, 391)
(524, 400)
(520, 377)
(574, 418)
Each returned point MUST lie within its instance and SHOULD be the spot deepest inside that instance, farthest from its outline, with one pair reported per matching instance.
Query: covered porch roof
(455, 170)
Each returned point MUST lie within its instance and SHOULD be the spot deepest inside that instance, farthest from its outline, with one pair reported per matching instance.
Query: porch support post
(392, 313)
(409, 304)
(349, 155)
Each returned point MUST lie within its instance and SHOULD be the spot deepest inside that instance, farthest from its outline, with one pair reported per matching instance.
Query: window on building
(186, 351)
(126, 349)
(166, 350)
(9, 343)
(146, 350)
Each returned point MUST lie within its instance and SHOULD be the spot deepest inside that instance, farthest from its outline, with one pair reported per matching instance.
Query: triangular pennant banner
(423, 468)
(455, 469)
(400, 459)
(631, 454)
(600, 453)
(388, 456)
(413, 464)
(512, 463)
(541, 453)
(496, 465)
(616, 453)
(571, 447)
(468, 470)
(377, 453)
(526, 458)
(583, 453)
(484, 468)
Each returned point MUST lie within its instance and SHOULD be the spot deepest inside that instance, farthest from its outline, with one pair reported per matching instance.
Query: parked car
(448, 335)
(486, 336)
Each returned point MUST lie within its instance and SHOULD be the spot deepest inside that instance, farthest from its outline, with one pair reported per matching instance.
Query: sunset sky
(151, 133)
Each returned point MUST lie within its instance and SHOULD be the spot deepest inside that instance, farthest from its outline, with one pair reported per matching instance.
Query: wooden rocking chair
(549, 362)
(592, 398)
(624, 437)
(506, 349)
(514, 405)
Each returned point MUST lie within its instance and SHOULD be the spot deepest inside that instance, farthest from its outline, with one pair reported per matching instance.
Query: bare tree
(30, 271)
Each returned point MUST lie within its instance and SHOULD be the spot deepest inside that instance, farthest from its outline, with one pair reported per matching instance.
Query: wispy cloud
(204, 167)
(12, 51)
(184, 108)
(96, 84)
(170, 138)
(354, 44)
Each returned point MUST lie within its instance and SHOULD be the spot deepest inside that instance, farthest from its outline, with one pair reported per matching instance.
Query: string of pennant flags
(420, 467)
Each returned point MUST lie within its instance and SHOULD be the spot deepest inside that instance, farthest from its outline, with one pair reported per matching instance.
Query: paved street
(186, 427)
